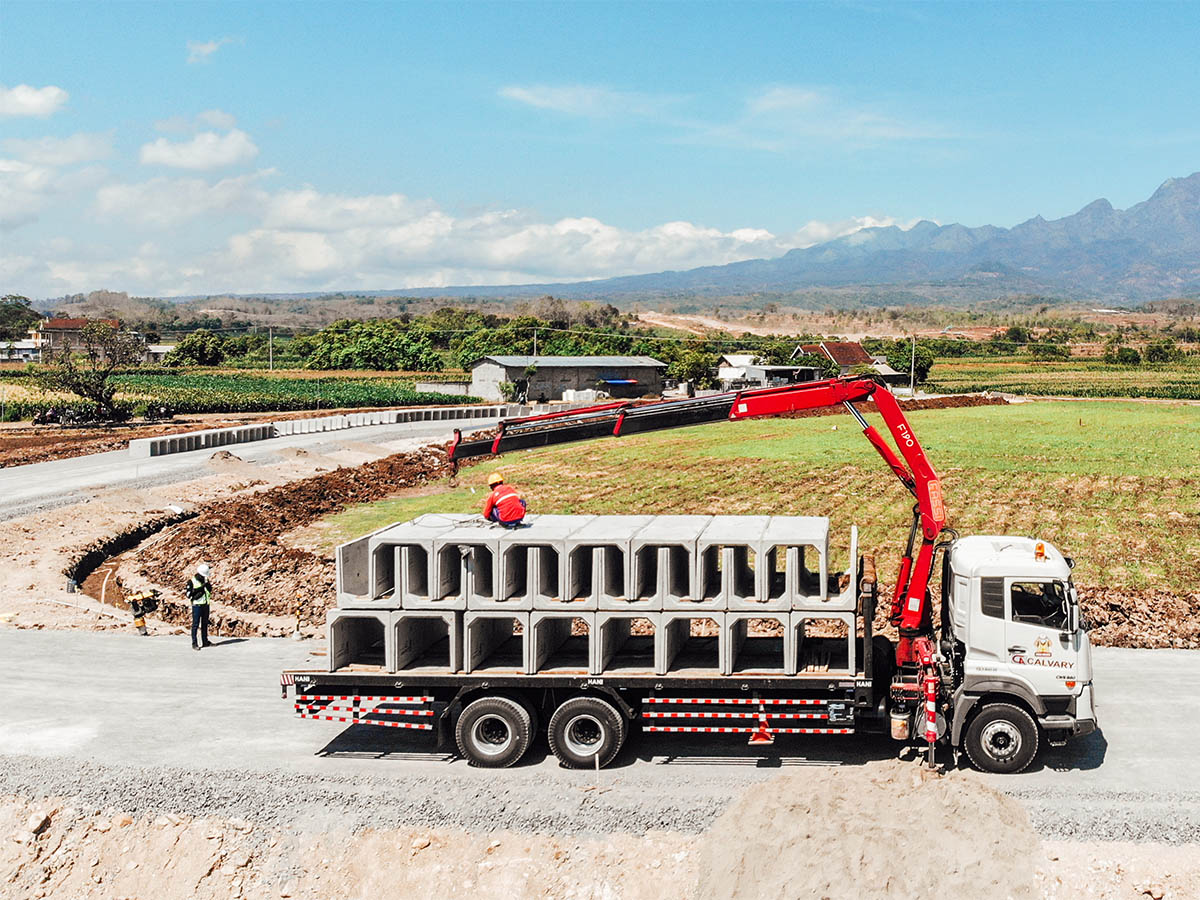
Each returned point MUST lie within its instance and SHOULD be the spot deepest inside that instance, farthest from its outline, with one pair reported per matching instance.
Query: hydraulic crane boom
(910, 603)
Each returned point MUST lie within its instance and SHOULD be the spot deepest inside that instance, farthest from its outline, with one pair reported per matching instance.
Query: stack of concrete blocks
(579, 594)
(143, 448)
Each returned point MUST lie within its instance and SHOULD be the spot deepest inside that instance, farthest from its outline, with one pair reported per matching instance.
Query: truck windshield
(1039, 603)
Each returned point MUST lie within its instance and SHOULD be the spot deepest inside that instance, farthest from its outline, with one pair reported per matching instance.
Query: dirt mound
(252, 571)
(1149, 619)
(885, 829)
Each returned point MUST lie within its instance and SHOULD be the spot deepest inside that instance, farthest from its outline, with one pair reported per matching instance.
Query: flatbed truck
(1006, 670)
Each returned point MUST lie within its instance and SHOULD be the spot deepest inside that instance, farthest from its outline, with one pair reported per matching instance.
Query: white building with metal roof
(543, 378)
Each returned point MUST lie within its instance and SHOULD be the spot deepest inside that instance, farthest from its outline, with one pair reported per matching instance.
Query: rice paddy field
(1178, 380)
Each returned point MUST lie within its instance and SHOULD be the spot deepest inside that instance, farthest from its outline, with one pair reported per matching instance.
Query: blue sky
(179, 148)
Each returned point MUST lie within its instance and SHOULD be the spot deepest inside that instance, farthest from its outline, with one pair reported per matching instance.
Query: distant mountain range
(1147, 252)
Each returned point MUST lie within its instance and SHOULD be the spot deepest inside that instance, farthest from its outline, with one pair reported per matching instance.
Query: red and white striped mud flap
(761, 732)
(365, 710)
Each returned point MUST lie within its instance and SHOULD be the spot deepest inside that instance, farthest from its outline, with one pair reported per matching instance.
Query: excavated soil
(252, 570)
(799, 836)
(886, 829)
(257, 573)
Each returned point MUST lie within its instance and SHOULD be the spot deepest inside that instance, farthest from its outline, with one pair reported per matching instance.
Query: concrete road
(78, 698)
(26, 489)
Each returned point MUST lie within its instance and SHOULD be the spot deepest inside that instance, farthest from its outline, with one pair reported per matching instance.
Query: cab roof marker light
(1039, 551)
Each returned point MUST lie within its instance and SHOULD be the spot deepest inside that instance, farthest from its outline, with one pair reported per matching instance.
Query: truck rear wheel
(493, 732)
(1002, 738)
(584, 729)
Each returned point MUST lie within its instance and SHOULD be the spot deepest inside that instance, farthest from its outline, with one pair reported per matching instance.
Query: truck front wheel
(1002, 738)
(584, 730)
(493, 732)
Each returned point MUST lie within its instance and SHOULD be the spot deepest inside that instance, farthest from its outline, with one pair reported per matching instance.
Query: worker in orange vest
(504, 504)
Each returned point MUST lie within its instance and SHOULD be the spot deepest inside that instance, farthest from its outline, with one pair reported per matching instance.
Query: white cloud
(171, 201)
(27, 188)
(200, 51)
(207, 150)
(236, 234)
(587, 100)
(778, 118)
(52, 151)
(217, 118)
(24, 100)
(212, 118)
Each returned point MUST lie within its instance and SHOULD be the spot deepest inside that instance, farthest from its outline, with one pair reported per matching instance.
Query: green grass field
(1068, 378)
(1114, 484)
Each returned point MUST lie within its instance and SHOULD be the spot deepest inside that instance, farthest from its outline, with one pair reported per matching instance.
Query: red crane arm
(910, 606)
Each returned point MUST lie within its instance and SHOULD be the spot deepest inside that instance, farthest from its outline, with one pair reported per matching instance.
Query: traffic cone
(762, 734)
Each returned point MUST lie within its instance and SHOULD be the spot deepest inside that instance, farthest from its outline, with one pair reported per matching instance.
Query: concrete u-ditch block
(802, 544)
(466, 565)
(727, 560)
(495, 639)
(359, 637)
(663, 556)
(550, 632)
(797, 626)
(830, 597)
(616, 648)
(675, 649)
(743, 653)
(541, 571)
(418, 636)
(599, 563)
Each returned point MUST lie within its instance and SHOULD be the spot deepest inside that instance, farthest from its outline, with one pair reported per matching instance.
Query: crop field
(1067, 378)
(231, 393)
(1114, 484)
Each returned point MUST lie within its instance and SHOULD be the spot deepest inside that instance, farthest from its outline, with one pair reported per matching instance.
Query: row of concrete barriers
(215, 438)
(597, 643)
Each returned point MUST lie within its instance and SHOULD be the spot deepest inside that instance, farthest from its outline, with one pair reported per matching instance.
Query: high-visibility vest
(199, 591)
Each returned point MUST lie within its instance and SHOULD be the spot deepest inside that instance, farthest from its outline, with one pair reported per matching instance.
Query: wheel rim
(1001, 740)
(584, 735)
(491, 735)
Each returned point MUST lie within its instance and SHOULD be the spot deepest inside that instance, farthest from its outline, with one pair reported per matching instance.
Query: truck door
(1034, 629)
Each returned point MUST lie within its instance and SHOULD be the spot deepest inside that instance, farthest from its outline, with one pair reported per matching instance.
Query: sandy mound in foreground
(887, 829)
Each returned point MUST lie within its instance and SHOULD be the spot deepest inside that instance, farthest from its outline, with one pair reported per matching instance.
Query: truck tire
(493, 732)
(583, 729)
(1002, 738)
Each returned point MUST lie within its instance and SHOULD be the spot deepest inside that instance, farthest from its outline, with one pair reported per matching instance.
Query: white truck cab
(1023, 662)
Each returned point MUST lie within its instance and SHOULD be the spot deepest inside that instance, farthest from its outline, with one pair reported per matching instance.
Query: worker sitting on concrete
(199, 592)
(504, 505)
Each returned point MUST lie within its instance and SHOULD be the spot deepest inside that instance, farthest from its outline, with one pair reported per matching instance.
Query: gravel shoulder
(148, 723)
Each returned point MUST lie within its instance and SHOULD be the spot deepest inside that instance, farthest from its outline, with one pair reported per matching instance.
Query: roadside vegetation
(220, 364)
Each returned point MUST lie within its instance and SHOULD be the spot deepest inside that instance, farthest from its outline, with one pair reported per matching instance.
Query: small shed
(23, 351)
(542, 378)
(739, 370)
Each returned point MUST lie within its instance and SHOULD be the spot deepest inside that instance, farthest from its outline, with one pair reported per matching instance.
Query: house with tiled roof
(53, 334)
(845, 354)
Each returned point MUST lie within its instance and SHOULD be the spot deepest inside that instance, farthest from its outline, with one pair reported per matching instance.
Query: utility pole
(535, 342)
(912, 369)
(270, 348)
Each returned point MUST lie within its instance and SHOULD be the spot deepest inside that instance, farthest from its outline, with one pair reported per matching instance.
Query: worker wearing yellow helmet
(504, 505)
